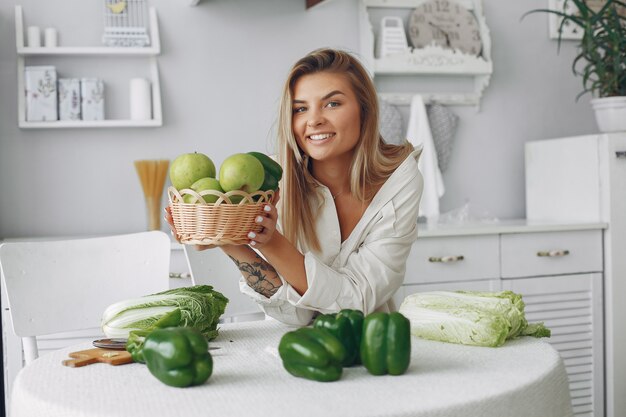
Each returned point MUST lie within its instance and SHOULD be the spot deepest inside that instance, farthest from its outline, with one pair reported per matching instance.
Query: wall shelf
(88, 50)
(64, 124)
(431, 60)
(150, 53)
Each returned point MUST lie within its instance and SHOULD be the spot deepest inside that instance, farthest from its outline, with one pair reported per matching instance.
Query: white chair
(213, 267)
(65, 285)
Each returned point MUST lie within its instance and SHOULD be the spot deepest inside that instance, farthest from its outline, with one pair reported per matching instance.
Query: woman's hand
(170, 221)
(268, 221)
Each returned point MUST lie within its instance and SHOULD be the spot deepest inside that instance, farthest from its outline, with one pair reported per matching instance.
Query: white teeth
(320, 137)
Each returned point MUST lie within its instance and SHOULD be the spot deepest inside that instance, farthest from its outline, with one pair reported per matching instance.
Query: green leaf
(601, 58)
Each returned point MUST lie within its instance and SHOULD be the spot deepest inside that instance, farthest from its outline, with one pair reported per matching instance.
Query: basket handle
(176, 196)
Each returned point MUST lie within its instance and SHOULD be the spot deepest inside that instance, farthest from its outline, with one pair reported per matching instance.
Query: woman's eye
(333, 104)
(299, 109)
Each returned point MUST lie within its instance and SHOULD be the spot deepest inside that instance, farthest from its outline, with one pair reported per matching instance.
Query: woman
(349, 202)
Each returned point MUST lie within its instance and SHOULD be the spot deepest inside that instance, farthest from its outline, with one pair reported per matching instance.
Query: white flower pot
(610, 113)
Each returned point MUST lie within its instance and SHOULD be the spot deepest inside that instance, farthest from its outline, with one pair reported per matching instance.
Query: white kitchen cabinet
(550, 253)
(462, 258)
(583, 179)
(559, 275)
(571, 306)
(150, 53)
(180, 276)
(556, 268)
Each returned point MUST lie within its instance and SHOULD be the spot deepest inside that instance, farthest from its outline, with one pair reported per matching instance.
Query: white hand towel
(419, 134)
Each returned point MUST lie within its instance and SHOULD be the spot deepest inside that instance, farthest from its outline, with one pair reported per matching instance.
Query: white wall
(222, 67)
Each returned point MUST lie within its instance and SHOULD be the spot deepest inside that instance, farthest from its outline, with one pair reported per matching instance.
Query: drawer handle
(553, 253)
(180, 275)
(445, 259)
(620, 154)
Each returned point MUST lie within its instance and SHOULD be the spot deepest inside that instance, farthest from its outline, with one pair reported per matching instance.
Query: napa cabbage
(200, 307)
(469, 317)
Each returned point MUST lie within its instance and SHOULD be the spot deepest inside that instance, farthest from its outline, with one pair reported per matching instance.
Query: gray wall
(222, 67)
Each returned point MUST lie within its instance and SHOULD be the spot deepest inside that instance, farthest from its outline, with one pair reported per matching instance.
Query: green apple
(235, 199)
(189, 168)
(202, 184)
(241, 172)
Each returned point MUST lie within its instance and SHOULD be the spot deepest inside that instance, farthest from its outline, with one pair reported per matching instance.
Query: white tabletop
(524, 378)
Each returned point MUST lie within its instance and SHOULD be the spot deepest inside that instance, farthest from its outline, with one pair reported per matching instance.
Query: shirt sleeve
(277, 306)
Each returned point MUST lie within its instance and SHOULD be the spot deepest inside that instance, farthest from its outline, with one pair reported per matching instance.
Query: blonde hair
(373, 161)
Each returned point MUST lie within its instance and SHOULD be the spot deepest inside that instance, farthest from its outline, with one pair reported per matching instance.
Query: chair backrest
(64, 285)
(213, 267)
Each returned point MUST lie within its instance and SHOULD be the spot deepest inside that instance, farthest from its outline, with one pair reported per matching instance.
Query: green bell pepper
(273, 171)
(178, 356)
(136, 338)
(312, 353)
(346, 326)
(356, 320)
(386, 343)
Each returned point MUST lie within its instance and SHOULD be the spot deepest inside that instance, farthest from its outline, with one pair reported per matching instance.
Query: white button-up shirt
(365, 270)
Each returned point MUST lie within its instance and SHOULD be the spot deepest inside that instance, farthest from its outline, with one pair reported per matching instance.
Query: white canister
(50, 38)
(34, 36)
(140, 99)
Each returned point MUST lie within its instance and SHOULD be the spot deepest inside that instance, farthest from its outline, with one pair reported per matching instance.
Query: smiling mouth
(321, 136)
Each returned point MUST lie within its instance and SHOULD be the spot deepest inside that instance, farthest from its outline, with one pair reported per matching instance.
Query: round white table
(524, 378)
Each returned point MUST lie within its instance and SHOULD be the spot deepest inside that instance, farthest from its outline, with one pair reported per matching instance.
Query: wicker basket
(219, 223)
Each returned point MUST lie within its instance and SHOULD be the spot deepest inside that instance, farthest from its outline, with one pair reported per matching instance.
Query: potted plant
(601, 58)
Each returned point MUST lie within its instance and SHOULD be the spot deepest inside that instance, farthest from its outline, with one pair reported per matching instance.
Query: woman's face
(326, 116)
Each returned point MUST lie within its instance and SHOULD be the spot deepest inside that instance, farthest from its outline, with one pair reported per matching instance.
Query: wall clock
(447, 24)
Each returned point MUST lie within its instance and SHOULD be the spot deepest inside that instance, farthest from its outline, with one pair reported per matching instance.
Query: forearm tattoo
(259, 275)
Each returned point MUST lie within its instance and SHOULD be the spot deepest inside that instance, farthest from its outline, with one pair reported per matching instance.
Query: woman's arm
(287, 260)
(261, 278)
(258, 273)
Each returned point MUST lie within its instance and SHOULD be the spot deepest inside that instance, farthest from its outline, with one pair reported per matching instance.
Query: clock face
(447, 24)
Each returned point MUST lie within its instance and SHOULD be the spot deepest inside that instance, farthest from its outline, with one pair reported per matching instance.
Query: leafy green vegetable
(469, 317)
(200, 307)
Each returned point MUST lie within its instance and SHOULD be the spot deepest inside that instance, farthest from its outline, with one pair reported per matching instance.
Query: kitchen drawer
(179, 269)
(551, 253)
(457, 258)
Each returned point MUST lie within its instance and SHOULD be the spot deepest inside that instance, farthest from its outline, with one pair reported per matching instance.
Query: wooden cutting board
(89, 356)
